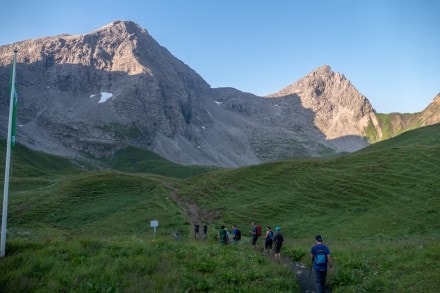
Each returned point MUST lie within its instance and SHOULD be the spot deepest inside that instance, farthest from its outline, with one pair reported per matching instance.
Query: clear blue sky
(390, 50)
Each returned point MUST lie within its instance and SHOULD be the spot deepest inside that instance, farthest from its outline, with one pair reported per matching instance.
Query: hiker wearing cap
(278, 240)
(320, 254)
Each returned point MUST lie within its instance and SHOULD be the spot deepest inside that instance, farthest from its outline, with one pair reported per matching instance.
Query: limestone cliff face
(340, 110)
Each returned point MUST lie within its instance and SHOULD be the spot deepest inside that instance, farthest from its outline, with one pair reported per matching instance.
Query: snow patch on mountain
(104, 96)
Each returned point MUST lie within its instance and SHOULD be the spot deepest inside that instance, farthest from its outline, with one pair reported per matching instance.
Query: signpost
(154, 225)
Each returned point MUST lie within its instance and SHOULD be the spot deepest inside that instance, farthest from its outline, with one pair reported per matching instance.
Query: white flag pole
(8, 163)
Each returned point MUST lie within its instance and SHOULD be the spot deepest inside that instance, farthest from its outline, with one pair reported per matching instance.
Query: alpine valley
(86, 97)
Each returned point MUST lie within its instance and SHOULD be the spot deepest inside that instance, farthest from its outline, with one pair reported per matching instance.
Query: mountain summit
(88, 96)
(339, 108)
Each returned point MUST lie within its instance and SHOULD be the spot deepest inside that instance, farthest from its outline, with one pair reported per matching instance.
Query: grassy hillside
(393, 124)
(89, 231)
(135, 160)
(327, 192)
(373, 207)
(31, 164)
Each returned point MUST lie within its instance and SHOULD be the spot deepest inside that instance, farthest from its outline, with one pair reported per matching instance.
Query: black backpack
(237, 234)
(225, 237)
(278, 239)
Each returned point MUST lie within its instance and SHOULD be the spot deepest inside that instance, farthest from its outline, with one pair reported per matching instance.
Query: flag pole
(8, 163)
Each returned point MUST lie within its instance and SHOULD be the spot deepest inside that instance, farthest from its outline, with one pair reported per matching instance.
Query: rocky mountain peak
(324, 69)
(340, 109)
(436, 100)
(121, 27)
(431, 114)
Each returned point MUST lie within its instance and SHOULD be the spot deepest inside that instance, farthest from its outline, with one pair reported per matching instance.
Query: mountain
(336, 104)
(96, 93)
(89, 96)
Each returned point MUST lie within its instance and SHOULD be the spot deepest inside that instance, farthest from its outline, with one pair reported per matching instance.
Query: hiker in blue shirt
(236, 234)
(322, 261)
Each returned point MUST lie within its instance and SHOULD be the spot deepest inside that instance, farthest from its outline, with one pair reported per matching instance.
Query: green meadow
(70, 229)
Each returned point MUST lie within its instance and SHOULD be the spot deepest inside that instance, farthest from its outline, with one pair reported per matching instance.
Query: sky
(388, 49)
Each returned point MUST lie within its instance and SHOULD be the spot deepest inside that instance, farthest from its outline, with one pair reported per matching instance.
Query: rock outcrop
(340, 110)
(431, 114)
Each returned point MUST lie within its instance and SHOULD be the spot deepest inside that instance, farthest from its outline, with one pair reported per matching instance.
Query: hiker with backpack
(256, 233)
(205, 230)
(196, 230)
(269, 240)
(320, 254)
(222, 235)
(278, 240)
(236, 234)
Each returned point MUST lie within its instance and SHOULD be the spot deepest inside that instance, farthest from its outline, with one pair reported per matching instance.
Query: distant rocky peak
(113, 47)
(339, 108)
(120, 27)
(326, 74)
(431, 114)
(435, 102)
(315, 83)
(324, 69)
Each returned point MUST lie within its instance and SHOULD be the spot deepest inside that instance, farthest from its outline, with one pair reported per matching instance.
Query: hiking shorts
(277, 248)
(268, 244)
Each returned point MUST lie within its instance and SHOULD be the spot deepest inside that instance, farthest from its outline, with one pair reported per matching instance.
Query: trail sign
(154, 224)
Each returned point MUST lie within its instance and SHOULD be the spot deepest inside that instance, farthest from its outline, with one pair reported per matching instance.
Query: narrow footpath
(305, 278)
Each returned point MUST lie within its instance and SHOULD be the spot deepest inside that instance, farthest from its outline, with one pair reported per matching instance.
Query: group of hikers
(273, 241)
(319, 253)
